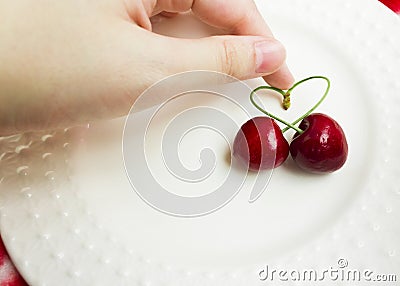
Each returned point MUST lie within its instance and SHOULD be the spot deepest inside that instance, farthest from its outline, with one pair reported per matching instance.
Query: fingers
(282, 78)
(254, 24)
(139, 12)
(243, 57)
(240, 18)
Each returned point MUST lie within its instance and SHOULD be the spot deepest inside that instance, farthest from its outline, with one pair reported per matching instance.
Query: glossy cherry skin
(260, 145)
(322, 147)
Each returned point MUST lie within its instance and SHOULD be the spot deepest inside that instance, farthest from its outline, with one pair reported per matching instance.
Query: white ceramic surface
(70, 217)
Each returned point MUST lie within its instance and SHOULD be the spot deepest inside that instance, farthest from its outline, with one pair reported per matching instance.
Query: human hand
(69, 62)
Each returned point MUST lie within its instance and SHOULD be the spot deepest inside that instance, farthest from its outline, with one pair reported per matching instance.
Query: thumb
(242, 57)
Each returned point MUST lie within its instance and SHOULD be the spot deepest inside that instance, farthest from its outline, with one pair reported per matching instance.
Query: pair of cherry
(318, 146)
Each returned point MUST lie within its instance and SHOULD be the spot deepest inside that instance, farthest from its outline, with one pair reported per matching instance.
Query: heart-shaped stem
(286, 102)
(328, 86)
(270, 114)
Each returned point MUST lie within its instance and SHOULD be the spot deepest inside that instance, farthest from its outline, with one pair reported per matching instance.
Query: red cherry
(322, 147)
(260, 144)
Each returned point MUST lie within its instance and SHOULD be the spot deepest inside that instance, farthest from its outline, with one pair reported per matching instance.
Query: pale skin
(64, 63)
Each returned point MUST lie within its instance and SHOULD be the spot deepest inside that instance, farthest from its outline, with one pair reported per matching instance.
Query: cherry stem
(328, 86)
(286, 102)
(266, 112)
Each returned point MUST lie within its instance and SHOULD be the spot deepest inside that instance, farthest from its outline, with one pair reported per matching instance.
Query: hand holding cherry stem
(318, 146)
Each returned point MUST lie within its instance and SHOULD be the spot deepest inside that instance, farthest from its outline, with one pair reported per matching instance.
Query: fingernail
(270, 55)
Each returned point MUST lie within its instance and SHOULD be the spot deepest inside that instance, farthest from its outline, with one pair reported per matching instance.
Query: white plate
(70, 217)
